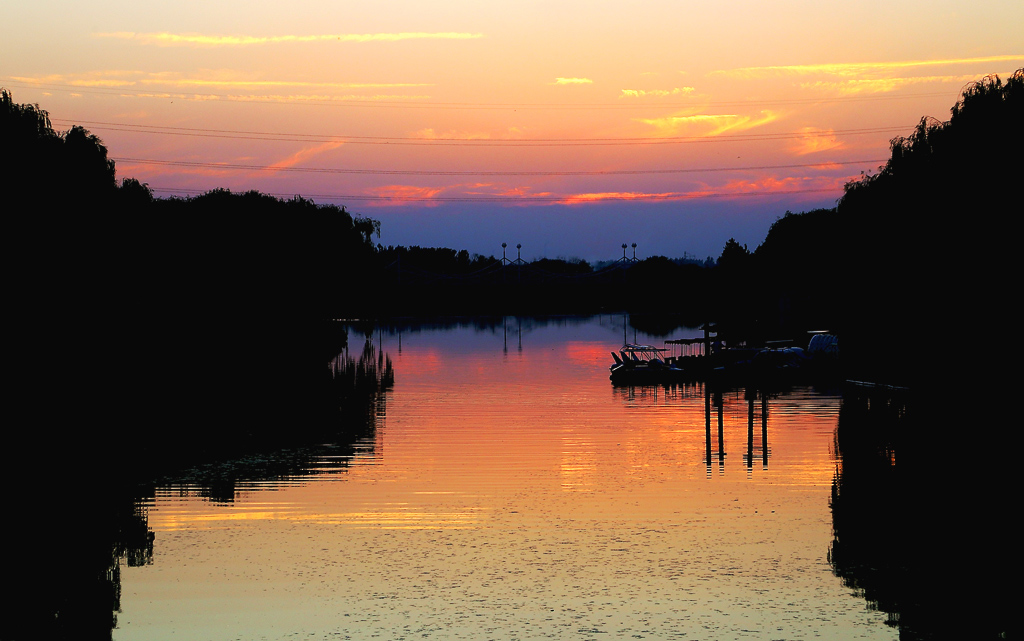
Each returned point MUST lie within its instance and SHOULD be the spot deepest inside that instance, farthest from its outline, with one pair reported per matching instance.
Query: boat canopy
(632, 352)
(630, 348)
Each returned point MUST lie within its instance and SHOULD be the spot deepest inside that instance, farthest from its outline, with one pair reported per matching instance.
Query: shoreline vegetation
(159, 335)
(219, 306)
(917, 241)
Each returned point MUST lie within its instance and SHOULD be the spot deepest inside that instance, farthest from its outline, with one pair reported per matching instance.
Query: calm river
(511, 492)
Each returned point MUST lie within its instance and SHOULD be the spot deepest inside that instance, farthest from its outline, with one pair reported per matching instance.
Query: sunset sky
(569, 127)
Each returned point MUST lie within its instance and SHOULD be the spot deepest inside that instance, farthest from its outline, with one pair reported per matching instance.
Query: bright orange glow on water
(517, 494)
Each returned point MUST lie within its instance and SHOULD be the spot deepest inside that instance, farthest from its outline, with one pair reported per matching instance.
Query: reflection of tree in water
(353, 396)
(359, 386)
(81, 522)
(64, 577)
(865, 512)
(923, 540)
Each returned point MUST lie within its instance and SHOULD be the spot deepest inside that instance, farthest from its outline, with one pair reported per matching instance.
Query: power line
(368, 101)
(425, 172)
(458, 142)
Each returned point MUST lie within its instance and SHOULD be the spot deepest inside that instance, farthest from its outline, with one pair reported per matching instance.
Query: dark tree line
(915, 262)
(928, 277)
(935, 230)
(107, 275)
(921, 238)
(148, 335)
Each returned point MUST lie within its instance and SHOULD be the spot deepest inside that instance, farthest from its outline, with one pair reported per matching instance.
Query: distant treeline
(917, 246)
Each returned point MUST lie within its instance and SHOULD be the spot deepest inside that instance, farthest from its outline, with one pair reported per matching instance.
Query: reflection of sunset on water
(519, 491)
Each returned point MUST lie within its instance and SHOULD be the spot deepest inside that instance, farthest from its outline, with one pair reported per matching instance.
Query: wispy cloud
(712, 124)
(512, 133)
(431, 134)
(857, 68)
(205, 40)
(274, 84)
(102, 79)
(573, 81)
(396, 195)
(881, 85)
(580, 199)
(289, 98)
(768, 185)
(641, 93)
(150, 84)
(816, 140)
(207, 78)
(304, 154)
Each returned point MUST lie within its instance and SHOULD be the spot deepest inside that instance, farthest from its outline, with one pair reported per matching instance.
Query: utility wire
(428, 172)
(367, 101)
(458, 142)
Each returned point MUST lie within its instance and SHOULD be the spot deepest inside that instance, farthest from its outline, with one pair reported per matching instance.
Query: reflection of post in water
(504, 333)
(720, 403)
(707, 427)
(753, 448)
(751, 396)
(764, 431)
(719, 406)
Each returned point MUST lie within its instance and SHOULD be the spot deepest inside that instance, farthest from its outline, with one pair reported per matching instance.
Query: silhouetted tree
(928, 237)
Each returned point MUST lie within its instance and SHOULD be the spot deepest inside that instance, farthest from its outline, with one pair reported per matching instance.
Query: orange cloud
(430, 134)
(573, 81)
(512, 133)
(222, 79)
(880, 85)
(815, 140)
(105, 79)
(524, 194)
(201, 40)
(405, 194)
(715, 124)
(578, 199)
(641, 93)
(281, 98)
(200, 82)
(304, 154)
(857, 68)
(785, 185)
(765, 186)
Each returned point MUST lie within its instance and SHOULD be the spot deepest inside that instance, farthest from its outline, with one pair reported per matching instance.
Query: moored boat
(643, 364)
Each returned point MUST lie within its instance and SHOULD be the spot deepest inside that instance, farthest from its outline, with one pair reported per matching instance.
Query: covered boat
(643, 364)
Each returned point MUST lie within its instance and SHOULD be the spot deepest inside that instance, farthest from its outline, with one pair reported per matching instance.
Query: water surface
(511, 492)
